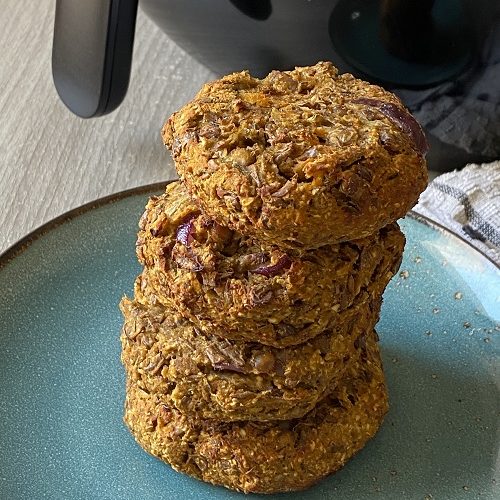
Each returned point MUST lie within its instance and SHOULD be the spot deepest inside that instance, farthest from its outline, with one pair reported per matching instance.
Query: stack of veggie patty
(250, 347)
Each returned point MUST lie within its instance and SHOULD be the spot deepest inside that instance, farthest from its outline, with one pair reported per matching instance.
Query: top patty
(301, 158)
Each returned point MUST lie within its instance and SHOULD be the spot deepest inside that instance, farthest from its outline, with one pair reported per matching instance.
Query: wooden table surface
(52, 161)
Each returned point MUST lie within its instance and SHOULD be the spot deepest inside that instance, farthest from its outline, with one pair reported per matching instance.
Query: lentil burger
(301, 158)
(273, 456)
(210, 377)
(241, 288)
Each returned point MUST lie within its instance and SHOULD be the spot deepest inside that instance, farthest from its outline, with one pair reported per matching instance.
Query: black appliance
(442, 57)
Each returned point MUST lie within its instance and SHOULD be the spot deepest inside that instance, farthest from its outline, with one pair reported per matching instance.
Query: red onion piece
(184, 233)
(225, 359)
(229, 367)
(284, 262)
(402, 119)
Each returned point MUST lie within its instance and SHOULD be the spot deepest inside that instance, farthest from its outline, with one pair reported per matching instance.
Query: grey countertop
(52, 161)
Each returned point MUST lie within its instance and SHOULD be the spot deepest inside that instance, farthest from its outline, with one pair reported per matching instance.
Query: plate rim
(26, 241)
(18, 247)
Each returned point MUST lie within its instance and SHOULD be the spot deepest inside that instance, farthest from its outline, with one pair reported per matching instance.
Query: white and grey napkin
(468, 203)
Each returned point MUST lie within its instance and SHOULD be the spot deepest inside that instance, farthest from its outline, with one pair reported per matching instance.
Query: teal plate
(62, 385)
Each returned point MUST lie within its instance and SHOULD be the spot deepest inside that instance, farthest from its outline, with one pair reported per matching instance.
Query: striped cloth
(468, 203)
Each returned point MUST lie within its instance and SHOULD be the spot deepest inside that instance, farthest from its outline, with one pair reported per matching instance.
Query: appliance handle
(92, 53)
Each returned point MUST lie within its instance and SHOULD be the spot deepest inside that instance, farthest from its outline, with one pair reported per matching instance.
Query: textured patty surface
(271, 456)
(209, 377)
(301, 158)
(232, 285)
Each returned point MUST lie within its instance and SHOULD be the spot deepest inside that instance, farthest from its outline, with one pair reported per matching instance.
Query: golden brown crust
(266, 457)
(300, 159)
(209, 377)
(234, 286)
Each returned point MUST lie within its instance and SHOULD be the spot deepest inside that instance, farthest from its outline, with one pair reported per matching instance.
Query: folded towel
(468, 203)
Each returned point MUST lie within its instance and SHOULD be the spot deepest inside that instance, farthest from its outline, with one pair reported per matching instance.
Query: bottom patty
(267, 457)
